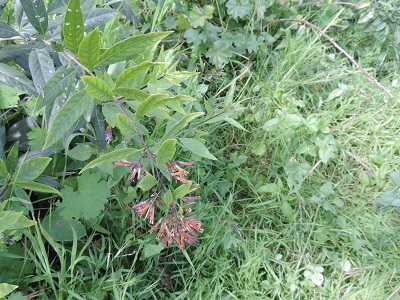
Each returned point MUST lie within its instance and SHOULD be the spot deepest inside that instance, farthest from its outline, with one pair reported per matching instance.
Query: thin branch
(312, 169)
(149, 152)
(366, 168)
(336, 45)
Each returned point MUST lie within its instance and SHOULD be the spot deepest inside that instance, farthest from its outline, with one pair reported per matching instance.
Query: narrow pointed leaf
(132, 72)
(130, 48)
(166, 151)
(73, 29)
(9, 52)
(131, 93)
(38, 187)
(98, 16)
(197, 148)
(42, 67)
(125, 125)
(6, 289)
(12, 157)
(36, 13)
(89, 49)
(3, 170)
(99, 128)
(110, 157)
(61, 83)
(31, 169)
(181, 124)
(7, 31)
(66, 117)
(16, 79)
(97, 88)
(157, 100)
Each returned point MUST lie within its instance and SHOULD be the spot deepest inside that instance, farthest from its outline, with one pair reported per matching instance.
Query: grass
(257, 247)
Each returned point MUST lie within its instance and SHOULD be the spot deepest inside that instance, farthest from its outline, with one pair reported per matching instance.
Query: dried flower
(108, 135)
(142, 207)
(187, 199)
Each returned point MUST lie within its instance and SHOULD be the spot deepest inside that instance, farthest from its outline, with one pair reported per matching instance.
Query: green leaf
(147, 182)
(98, 16)
(42, 67)
(125, 125)
(271, 188)
(9, 52)
(132, 72)
(8, 96)
(181, 191)
(86, 203)
(219, 53)
(3, 170)
(110, 157)
(396, 178)
(131, 93)
(156, 100)
(238, 8)
(235, 123)
(197, 148)
(6, 289)
(130, 48)
(62, 79)
(16, 79)
(89, 49)
(62, 230)
(73, 28)
(12, 158)
(81, 152)
(38, 187)
(326, 152)
(150, 250)
(14, 220)
(168, 198)
(7, 31)
(31, 169)
(66, 117)
(36, 13)
(181, 124)
(287, 210)
(166, 152)
(97, 88)
(198, 16)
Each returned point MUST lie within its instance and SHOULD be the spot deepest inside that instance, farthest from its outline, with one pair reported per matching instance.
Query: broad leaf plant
(103, 118)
